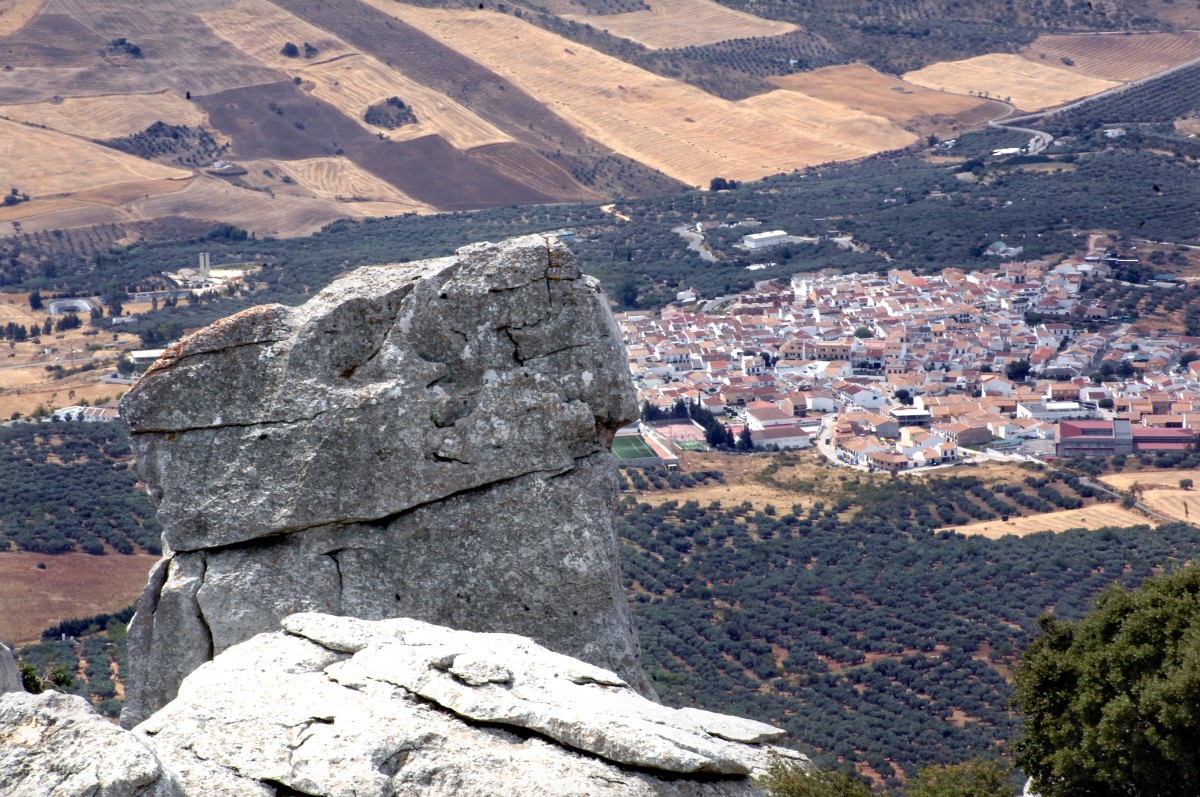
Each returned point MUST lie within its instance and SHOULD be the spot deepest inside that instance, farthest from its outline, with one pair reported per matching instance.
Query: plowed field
(1028, 85)
(1116, 56)
(71, 585)
(863, 89)
(684, 23)
(678, 129)
(345, 78)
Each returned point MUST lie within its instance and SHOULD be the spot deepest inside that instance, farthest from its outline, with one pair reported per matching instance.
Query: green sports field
(631, 446)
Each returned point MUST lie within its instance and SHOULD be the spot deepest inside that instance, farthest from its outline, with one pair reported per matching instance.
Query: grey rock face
(55, 745)
(342, 707)
(10, 674)
(339, 706)
(424, 440)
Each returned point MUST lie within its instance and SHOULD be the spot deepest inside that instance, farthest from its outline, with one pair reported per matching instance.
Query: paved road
(695, 243)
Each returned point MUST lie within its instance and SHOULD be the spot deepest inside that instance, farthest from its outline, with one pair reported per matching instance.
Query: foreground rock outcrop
(426, 440)
(336, 706)
(54, 745)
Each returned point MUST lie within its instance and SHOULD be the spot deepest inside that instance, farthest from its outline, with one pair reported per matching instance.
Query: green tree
(35, 300)
(29, 679)
(979, 777)
(745, 442)
(1017, 370)
(786, 779)
(1186, 484)
(863, 332)
(1112, 702)
(290, 50)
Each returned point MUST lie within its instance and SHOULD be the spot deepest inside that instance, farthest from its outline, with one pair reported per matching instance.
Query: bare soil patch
(671, 126)
(345, 78)
(71, 585)
(1026, 84)
(1090, 517)
(280, 121)
(861, 88)
(1116, 56)
(684, 23)
(107, 117)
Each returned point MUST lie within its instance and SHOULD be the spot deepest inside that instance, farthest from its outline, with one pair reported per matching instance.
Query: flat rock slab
(340, 706)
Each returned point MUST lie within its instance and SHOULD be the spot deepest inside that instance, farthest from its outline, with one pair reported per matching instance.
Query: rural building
(781, 437)
(763, 240)
(1053, 410)
(1104, 438)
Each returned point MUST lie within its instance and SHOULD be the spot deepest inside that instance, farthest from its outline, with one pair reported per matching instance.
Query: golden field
(683, 23)
(1029, 85)
(668, 125)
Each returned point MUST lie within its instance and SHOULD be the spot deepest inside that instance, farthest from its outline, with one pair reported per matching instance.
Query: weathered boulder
(342, 707)
(55, 745)
(10, 674)
(425, 440)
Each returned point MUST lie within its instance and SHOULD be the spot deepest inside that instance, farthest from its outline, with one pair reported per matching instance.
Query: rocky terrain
(425, 440)
(339, 706)
(421, 441)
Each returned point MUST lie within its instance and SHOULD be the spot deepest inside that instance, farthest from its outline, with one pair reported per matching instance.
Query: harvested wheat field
(1150, 478)
(351, 84)
(15, 13)
(107, 117)
(670, 126)
(861, 88)
(1174, 503)
(1027, 85)
(71, 585)
(260, 29)
(1116, 56)
(1091, 517)
(257, 212)
(684, 23)
(46, 163)
(347, 79)
(339, 178)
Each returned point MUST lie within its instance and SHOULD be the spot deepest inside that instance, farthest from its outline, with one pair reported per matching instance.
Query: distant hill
(505, 102)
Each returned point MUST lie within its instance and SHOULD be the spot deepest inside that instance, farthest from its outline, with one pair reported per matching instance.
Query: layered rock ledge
(426, 440)
(336, 706)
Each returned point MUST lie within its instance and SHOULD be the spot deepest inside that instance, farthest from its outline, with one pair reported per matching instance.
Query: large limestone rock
(424, 440)
(10, 674)
(56, 745)
(336, 706)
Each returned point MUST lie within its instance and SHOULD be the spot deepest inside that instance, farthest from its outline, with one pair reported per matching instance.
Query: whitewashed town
(900, 371)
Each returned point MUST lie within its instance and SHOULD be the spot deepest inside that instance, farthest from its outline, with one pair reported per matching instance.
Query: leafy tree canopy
(1112, 702)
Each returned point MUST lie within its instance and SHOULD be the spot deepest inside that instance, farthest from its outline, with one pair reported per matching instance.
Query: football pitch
(631, 446)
